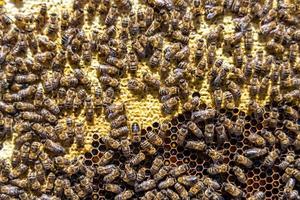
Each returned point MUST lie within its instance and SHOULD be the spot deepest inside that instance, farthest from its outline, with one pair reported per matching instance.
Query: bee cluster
(224, 155)
(209, 152)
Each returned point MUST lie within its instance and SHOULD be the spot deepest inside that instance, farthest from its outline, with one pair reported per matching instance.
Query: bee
(119, 121)
(257, 140)
(239, 173)
(283, 139)
(221, 133)
(141, 174)
(265, 29)
(109, 81)
(196, 188)
(218, 169)
(169, 182)
(136, 86)
(155, 59)
(242, 160)
(135, 132)
(138, 158)
(274, 48)
(162, 172)
(233, 40)
(145, 185)
(171, 50)
(195, 129)
(291, 126)
(192, 104)
(216, 34)
(116, 133)
(211, 53)
(195, 145)
(294, 48)
(209, 133)
(203, 115)
(151, 80)
(11, 190)
(125, 147)
(31, 116)
(188, 180)
(177, 36)
(179, 170)
(218, 98)
(292, 95)
(138, 49)
(290, 158)
(248, 39)
(127, 194)
(215, 155)
(54, 147)
(182, 133)
(170, 105)
(106, 158)
(268, 136)
(215, 11)
(257, 196)
(130, 173)
(103, 170)
(233, 190)
(228, 100)
(114, 188)
(154, 139)
(20, 170)
(296, 142)
(156, 165)
(35, 150)
(79, 134)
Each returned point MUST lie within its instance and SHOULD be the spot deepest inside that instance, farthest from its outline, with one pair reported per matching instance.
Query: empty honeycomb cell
(248, 118)
(262, 174)
(226, 145)
(250, 174)
(181, 118)
(253, 122)
(235, 110)
(95, 136)
(275, 176)
(149, 129)
(268, 193)
(174, 129)
(268, 186)
(234, 118)
(192, 164)
(167, 155)
(239, 144)
(143, 132)
(186, 152)
(249, 189)
(233, 149)
(174, 122)
(94, 152)
(275, 191)
(193, 156)
(247, 126)
(180, 156)
(167, 141)
(173, 159)
(256, 170)
(229, 115)
(256, 185)
(249, 181)
(95, 144)
(95, 159)
(88, 162)
(155, 125)
(259, 126)
(88, 155)
(226, 160)
(199, 168)
(173, 151)
(180, 149)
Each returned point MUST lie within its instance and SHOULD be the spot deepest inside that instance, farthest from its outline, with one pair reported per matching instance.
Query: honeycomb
(263, 126)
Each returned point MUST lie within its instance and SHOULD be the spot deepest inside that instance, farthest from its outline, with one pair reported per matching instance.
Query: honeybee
(195, 129)
(114, 188)
(133, 62)
(179, 170)
(170, 105)
(119, 121)
(211, 53)
(257, 196)
(79, 134)
(283, 139)
(239, 173)
(125, 148)
(248, 39)
(151, 80)
(127, 194)
(116, 133)
(179, 37)
(196, 145)
(233, 40)
(218, 98)
(296, 143)
(141, 174)
(191, 104)
(228, 100)
(196, 188)
(257, 140)
(114, 174)
(156, 165)
(233, 190)
(145, 185)
(20, 170)
(154, 139)
(135, 132)
(289, 159)
(54, 147)
(169, 182)
(203, 115)
(188, 180)
(218, 169)
(136, 86)
(130, 173)
(221, 133)
(155, 59)
(106, 158)
(209, 133)
(162, 172)
(215, 155)
(103, 170)
(242, 160)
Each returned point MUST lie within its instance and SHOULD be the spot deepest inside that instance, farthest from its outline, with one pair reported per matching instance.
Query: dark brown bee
(151, 80)
(216, 34)
(211, 53)
(233, 39)
(233, 190)
(274, 48)
(179, 37)
(111, 16)
(170, 105)
(136, 86)
(145, 185)
(294, 49)
(116, 133)
(54, 147)
(106, 158)
(155, 59)
(214, 12)
(133, 62)
(127, 194)
(114, 188)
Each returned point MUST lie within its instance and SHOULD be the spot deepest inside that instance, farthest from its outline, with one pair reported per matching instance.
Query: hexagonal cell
(155, 125)
(173, 159)
(174, 137)
(249, 189)
(95, 144)
(174, 122)
(95, 136)
(181, 118)
(193, 156)
(149, 128)
(167, 155)
(173, 151)
(95, 159)
(88, 155)
(173, 144)
(88, 162)
(174, 129)
(180, 156)
(94, 152)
